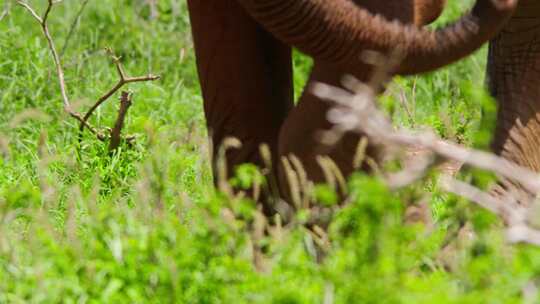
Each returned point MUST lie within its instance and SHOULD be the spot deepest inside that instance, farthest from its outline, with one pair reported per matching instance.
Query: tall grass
(147, 225)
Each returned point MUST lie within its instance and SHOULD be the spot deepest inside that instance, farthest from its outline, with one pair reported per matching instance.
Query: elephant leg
(299, 136)
(245, 76)
(299, 133)
(514, 80)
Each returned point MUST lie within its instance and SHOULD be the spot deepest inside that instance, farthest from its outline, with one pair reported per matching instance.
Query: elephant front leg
(246, 80)
(514, 80)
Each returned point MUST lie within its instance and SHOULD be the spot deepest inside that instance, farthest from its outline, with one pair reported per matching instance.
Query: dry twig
(5, 9)
(121, 82)
(357, 112)
(154, 13)
(83, 120)
(73, 26)
(125, 103)
(59, 70)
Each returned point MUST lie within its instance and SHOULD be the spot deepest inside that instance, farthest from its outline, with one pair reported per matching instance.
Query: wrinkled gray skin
(514, 80)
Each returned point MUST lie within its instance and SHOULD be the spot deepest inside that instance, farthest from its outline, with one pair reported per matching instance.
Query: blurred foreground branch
(355, 110)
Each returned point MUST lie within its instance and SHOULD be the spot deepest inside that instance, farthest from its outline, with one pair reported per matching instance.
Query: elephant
(513, 76)
(243, 52)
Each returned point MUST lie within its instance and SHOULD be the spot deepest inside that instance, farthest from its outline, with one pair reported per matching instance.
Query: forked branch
(83, 120)
(123, 80)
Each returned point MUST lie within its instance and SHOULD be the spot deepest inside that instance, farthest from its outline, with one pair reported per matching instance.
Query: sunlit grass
(147, 225)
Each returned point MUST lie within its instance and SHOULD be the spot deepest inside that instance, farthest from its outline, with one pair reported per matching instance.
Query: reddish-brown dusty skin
(246, 78)
(336, 31)
(298, 132)
(243, 50)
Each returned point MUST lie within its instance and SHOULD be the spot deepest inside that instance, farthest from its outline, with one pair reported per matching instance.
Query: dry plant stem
(121, 82)
(61, 79)
(154, 14)
(514, 215)
(52, 47)
(273, 189)
(59, 70)
(506, 210)
(72, 27)
(357, 112)
(221, 164)
(5, 9)
(257, 235)
(125, 103)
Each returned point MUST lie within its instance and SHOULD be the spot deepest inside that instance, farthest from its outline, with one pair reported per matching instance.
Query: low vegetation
(144, 223)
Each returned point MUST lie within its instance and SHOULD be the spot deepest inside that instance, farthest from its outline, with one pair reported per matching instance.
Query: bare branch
(5, 9)
(121, 82)
(514, 215)
(125, 103)
(508, 210)
(415, 171)
(523, 234)
(31, 10)
(59, 71)
(73, 26)
(83, 120)
(357, 112)
(48, 11)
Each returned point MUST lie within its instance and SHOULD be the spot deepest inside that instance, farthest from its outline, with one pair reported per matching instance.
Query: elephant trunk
(514, 80)
(338, 31)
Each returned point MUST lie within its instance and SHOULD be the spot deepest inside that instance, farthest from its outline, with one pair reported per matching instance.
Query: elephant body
(298, 134)
(245, 75)
(243, 50)
(513, 74)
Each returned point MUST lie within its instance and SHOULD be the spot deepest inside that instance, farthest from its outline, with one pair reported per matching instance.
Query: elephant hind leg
(245, 76)
(513, 78)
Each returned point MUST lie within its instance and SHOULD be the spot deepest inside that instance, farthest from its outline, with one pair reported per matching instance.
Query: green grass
(146, 225)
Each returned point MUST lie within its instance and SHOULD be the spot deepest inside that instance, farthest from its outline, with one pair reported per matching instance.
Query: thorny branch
(42, 20)
(357, 112)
